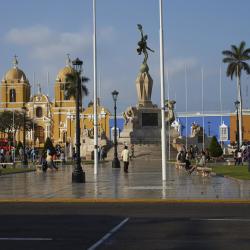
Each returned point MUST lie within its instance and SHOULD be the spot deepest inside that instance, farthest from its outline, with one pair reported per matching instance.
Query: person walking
(50, 162)
(125, 158)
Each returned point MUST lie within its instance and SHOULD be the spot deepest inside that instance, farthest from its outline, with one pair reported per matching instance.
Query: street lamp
(115, 162)
(78, 175)
(25, 160)
(236, 103)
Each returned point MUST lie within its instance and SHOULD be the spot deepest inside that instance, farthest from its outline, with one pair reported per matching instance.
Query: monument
(143, 122)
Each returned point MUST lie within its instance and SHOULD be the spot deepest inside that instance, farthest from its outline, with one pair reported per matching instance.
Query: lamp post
(78, 175)
(236, 103)
(25, 161)
(115, 162)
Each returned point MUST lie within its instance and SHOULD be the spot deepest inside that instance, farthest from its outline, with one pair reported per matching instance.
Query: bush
(49, 145)
(214, 148)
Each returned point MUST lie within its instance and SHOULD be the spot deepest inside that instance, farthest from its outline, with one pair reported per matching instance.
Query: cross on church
(15, 62)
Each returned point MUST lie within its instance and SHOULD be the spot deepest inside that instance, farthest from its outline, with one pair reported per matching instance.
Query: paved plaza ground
(142, 182)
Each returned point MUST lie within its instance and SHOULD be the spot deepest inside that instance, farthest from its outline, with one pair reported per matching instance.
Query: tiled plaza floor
(142, 181)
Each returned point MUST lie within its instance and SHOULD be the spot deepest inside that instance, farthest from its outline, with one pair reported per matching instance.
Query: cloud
(175, 66)
(29, 36)
(46, 44)
(107, 33)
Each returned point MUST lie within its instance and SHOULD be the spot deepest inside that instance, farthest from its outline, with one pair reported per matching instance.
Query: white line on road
(13, 238)
(222, 219)
(106, 236)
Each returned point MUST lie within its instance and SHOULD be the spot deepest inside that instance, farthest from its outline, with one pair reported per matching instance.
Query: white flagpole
(48, 84)
(186, 102)
(33, 124)
(202, 107)
(13, 118)
(220, 104)
(95, 92)
(163, 125)
(169, 141)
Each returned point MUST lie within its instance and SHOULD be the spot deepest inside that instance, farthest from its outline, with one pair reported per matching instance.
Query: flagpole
(163, 124)
(95, 92)
(186, 102)
(169, 141)
(33, 124)
(220, 105)
(202, 105)
(13, 132)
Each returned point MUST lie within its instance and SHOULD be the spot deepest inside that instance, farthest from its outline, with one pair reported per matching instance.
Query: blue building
(215, 124)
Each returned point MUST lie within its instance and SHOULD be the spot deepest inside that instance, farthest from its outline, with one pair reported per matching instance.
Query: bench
(180, 165)
(204, 171)
(5, 164)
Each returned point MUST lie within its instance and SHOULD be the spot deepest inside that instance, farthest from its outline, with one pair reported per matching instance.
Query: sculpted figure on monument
(196, 129)
(130, 116)
(142, 45)
(169, 104)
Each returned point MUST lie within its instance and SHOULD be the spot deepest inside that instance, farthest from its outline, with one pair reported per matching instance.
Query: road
(124, 225)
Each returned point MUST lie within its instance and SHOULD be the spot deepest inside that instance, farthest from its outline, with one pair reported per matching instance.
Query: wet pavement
(142, 182)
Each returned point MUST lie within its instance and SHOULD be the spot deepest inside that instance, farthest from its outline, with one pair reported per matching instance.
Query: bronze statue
(142, 45)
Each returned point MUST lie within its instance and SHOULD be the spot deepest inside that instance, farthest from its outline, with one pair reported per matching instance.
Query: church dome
(61, 76)
(68, 69)
(15, 74)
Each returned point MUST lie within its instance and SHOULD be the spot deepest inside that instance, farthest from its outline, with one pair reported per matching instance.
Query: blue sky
(41, 33)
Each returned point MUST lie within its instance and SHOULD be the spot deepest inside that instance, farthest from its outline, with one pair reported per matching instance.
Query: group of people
(185, 156)
(241, 155)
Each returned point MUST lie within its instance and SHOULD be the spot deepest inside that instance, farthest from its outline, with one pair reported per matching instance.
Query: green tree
(48, 145)
(71, 86)
(237, 58)
(214, 148)
(13, 122)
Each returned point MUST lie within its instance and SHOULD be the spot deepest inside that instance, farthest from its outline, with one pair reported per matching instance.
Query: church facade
(54, 119)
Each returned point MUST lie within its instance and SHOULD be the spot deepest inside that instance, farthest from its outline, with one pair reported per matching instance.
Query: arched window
(39, 133)
(39, 112)
(12, 95)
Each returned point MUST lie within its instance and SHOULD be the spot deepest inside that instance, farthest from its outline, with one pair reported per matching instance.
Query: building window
(223, 132)
(39, 134)
(12, 95)
(39, 112)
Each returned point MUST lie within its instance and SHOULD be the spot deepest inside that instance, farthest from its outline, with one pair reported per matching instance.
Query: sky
(42, 32)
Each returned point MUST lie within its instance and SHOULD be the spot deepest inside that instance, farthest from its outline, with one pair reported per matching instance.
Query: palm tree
(71, 86)
(237, 59)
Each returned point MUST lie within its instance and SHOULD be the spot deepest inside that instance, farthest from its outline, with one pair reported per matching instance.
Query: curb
(119, 201)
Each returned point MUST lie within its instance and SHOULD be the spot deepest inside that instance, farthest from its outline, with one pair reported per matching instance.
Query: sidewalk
(142, 182)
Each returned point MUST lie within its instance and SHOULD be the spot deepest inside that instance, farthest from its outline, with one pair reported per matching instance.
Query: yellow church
(54, 119)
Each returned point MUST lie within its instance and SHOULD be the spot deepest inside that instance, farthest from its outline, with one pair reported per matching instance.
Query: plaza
(124, 125)
(142, 182)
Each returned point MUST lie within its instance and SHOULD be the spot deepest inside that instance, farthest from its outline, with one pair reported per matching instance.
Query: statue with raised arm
(142, 45)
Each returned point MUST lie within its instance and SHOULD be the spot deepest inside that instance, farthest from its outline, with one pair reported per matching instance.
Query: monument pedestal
(144, 127)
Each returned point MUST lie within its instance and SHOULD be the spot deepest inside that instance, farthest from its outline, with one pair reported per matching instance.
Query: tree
(48, 145)
(214, 148)
(71, 86)
(237, 58)
(8, 125)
